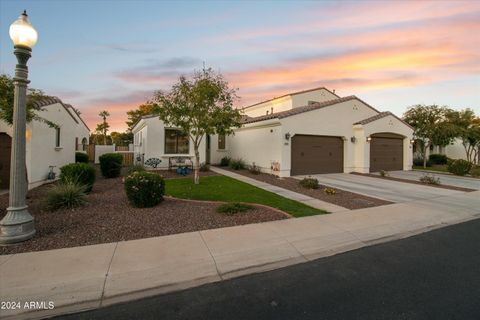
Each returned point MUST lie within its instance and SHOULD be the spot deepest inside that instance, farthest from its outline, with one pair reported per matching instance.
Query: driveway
(378, 188)
(451, 180)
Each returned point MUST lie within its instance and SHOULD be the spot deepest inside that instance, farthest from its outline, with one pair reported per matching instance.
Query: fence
(95, 151)
(127, 158)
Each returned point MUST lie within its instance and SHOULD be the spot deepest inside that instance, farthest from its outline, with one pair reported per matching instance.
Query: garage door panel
(386, 154)
(316, 154)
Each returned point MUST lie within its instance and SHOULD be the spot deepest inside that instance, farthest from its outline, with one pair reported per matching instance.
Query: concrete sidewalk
(87, 277)
(309, 201)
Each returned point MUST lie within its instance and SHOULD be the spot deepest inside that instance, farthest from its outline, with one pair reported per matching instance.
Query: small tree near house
(202, 105)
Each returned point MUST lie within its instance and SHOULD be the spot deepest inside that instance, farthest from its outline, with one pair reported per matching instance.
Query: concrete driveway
(378, 188)
(446, 179)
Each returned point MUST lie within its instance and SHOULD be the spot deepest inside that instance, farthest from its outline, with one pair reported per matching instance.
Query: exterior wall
(259, 143)
(456, 150)
(278, 105)
(216, 154)
(152, 144)
(320, 95)
(100, 150)
(41, 150)
(81, 131)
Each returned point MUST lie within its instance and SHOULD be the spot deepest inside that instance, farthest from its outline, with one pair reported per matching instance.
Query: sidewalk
(88, 277)
(309, 201)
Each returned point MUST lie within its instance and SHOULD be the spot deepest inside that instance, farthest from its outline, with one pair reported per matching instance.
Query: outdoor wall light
(353, 139)
(369, 139)
(22, 32)
(412, 141)
(287, 136)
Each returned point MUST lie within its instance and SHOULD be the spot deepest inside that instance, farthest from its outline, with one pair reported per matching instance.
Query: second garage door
(316, 154)
(386, 152)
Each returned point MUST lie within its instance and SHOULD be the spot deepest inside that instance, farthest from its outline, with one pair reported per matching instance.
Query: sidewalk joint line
(8, 259)
(211, 254)
(106, 275)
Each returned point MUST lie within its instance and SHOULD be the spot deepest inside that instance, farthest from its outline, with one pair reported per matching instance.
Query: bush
(383, 173)
(419, 162)
(475, 171)
(427, 179)
(111, 164)
(309, 183)
(81, 173)
(204, 167)
(81, 157)
(66, 194)
(438, 159)
(225, 161)
(254, 169)
(134, 168)
(234, 207)
(237, 164)
(330, 191)
(144, 189)
(459, 167)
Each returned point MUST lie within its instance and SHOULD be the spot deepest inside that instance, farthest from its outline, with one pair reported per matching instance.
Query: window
(57, 137)
(176, 142)
(221, 142)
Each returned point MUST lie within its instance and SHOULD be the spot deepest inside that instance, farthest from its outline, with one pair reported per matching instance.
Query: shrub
(427, 179)
(330, 191)
(234, 207)
(383, 173)
(111, 164)
(475, 171)
(81, 173)
(438, 159)
(225, 161)
(153, 162)
(459, 167)
(309, 183)
(134, 168)
(66, 194)
(144, 189)
(204, 167)
(254, 169)
(237, 164)
(419, 162)
(81, 157)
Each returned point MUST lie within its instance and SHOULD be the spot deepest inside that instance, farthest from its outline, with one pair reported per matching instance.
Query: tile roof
(39, 104)
(375, 117)
(295, 111)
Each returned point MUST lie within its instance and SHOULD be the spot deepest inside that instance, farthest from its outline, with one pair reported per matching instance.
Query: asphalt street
(434, 275)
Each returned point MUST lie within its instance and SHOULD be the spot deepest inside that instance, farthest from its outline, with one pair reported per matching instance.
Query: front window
(221, 142)
(176, 142)
(57, 137)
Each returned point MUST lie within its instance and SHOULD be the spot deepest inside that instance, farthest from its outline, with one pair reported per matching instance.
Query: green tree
(121, 138)
(102, 128)
(143, 110)
(467, 127)
(431, 126)
(202, 105)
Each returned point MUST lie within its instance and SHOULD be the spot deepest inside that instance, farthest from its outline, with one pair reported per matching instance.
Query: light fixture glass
(369, 139)
(22, 32)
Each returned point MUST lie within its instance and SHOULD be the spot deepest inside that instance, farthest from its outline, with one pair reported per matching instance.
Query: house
(307, 132)
(45, 146)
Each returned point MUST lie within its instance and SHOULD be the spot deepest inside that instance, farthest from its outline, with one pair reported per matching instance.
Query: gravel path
(109, 218)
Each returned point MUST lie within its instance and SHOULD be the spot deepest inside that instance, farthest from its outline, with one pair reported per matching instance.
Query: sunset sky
(113, 54)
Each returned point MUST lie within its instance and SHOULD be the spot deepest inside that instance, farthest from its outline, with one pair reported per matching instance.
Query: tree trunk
(197, 166)
(425, 148)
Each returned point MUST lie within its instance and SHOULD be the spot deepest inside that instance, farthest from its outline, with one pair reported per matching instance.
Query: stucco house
(307, 132)
(45, 146)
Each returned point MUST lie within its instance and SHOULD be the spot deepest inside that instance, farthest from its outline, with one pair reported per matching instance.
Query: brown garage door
(5, 149)
(386, 152)
(316, 154)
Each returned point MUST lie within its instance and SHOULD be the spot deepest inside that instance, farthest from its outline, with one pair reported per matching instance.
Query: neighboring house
(306, 132)
(454, 150)
(45, 146)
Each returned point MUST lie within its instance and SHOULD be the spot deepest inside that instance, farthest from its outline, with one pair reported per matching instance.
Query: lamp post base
(16, 226)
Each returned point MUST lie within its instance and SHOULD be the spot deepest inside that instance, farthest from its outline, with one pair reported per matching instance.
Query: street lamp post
(18, 225)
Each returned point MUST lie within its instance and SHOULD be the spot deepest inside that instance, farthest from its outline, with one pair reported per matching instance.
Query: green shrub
(81, 157)
(144, 189)
(111, 164)
(234, 207)
(225, 161)
(82, 173)
(134, 168)
(383, 173)
(204, 167)
(254, 169)
(438, 159)
(419, 162)
(475, 171)
(427, 179)
(237, 164)
(309, 183)
(66, 195)
(459, 167)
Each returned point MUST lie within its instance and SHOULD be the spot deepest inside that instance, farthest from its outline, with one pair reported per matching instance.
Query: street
(430, 276)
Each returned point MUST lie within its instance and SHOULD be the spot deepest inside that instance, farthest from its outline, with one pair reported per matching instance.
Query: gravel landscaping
(109, 218)
(342, 198)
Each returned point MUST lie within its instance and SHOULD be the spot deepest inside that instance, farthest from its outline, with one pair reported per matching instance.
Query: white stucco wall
(320, 95)
(216, 154)
(81, 130)
(100, 150)
(456, 150)
(278, 105)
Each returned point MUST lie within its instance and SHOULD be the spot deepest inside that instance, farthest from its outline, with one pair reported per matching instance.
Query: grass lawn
(221, 188)
(436, 167)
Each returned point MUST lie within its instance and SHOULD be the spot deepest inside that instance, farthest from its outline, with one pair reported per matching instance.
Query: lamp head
(22, 32)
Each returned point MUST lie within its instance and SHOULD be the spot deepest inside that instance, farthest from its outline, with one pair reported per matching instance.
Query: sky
(112, 55)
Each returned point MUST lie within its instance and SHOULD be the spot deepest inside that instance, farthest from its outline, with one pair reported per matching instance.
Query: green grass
(221, 188)
(438, 168)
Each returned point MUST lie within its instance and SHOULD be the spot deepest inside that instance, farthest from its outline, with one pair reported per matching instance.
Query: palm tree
(104, 126)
